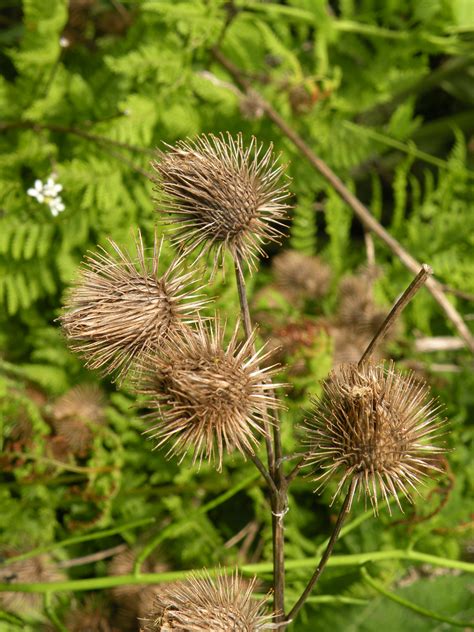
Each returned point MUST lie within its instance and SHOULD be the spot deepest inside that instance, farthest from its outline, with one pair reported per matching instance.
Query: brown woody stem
(261, 468)
(244, 304)
(247, 322)
(327, 553)
(275, 479)
(396, 310)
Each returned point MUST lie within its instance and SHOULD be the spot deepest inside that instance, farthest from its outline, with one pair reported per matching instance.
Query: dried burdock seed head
(350, 343)
(33, 570)
(74, 415)
(300, 276)
(84, 402)
(357, 309)
(121, 307)
(221, 195)
(206, 397)
(205, 604)
(91, 615)
(375, 426)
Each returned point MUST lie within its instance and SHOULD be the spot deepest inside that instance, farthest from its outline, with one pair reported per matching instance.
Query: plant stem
(277, 481)
(337, 561)
(247, 322)
(396, 310)
(244, 304)
(362, 212)
(64, 129)
(295, 471)
(261, 468)
(49, 609)
(279, 508)
(92, 557)
(327, 553)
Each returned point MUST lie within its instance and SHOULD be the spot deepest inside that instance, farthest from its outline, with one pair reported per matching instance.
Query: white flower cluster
(48, 193)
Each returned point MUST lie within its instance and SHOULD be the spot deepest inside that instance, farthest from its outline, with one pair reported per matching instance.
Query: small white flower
(37, 191)
(48, 193)
(56, 206)
(51, 189)
(64, 42)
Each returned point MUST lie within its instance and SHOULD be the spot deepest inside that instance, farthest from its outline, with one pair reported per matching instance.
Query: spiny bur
(208, 397)
(377, 426)
(219, 195)
(204, 604)
(301, 276)
(121, 306)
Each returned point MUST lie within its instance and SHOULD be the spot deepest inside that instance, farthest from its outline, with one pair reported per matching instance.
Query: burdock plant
(372, 431)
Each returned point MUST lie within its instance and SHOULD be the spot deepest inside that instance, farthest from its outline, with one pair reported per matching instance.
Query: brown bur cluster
(357, 318)
(375, 426)
(32, 570)
(204, 603)
(301, 277)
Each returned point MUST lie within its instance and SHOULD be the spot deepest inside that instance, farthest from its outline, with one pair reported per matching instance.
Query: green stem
(336, 561)
(410, 605)
(75, 540)
(49, 610)
(6, 616)
(185, 523)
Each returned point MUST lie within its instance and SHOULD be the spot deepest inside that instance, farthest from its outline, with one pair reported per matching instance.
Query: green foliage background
(382, 91)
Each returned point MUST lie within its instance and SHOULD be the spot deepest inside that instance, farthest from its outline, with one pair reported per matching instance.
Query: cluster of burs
(211, 392)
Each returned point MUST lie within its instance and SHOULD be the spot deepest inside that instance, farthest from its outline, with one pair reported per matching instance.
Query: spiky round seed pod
(84, 401)
(75, 413)
(121, 306)
(33, 570)
(250, 107)
(208, 397)
(221, 195)
(205, 604)
(301, 276)
(357, 309)
(92, 614)
(375, 426)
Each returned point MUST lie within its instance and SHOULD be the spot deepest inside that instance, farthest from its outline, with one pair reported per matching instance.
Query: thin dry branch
(362, 212)
(438, 343)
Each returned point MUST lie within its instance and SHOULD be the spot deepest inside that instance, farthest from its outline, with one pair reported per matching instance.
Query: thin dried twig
(93, 557)
(418, 282)
(438, 343)
(362, 212)
(327, 553)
